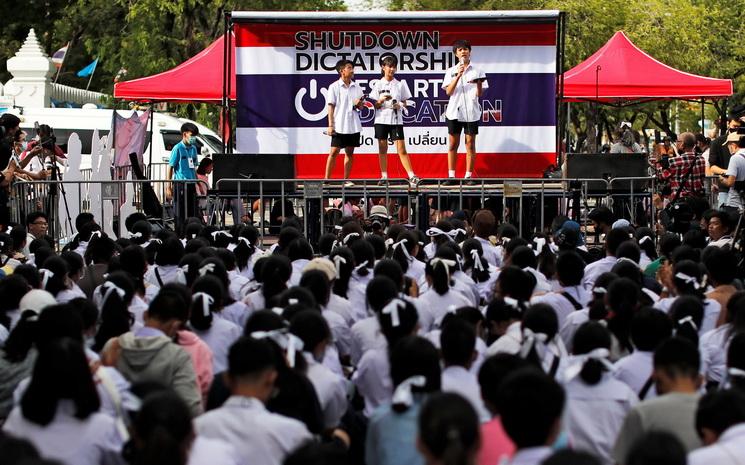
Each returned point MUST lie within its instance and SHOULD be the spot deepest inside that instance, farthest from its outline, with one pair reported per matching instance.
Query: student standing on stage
(391, 96)
(464, 84)
(344, 98)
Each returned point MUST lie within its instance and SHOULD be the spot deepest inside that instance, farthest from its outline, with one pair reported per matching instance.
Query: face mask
(191, 140)
(24, 145)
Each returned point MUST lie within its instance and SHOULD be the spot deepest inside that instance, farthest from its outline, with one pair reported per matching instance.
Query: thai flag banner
(283, 71)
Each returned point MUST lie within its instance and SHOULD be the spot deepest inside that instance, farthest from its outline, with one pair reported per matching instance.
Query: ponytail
(438, 269)
(592, 372)
(344, 265)
(473, 259)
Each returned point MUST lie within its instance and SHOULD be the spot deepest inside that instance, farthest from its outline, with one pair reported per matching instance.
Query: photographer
(684, 172)
(40, 153)
(9, 125)
(734, 177)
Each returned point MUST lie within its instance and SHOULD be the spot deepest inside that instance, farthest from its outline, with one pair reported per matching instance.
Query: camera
(48, 143)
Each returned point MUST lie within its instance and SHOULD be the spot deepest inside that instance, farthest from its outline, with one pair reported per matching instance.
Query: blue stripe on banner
(296, 100)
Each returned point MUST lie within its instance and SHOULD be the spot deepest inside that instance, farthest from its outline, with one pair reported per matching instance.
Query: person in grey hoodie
(150, 355)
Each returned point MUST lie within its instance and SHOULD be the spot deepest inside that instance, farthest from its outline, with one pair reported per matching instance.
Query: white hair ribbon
(8, 229)
(505, 240)
(735, 372)
(530, 340)
(45, 275)
(208, 268)
(444, 262)
(95, 234)
(421, 244)
(111, 287)
(509, 301)
(553, 248)
(207, 300)
(157, 241)
(360, 266)
(135, 235)
(338, 260)
(689, 320)
(644, 239)
(599, 290)
(220, 233)
(688, 279)
(626, 259)
(577, 362)
(244, 240)
(401, 244)
(2, 243)
(393, 307)
(477, 260)
(403, 395)
(181, 274)
(290, 343)
(292, 301)
(531, 270)
(278, 310)
(346, 238)
(389, 242)
(454, 233)
(540, 243)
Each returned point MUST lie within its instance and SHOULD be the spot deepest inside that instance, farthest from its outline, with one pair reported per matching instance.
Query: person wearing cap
(719, 156)
(735, 170)
(627, 142)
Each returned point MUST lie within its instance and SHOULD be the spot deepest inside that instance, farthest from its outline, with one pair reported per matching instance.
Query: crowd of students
(462, 345)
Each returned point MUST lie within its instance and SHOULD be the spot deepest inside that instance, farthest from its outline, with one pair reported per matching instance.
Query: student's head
(311, 327)
(189, 131)
(530, 404)
(491, 374)
(54, 275)
(398, 319)
(687, 313)
(515, 283)
(570, 268)
(718, 411)
(649, 328)
(589, 337)
(299, 249)
(205, 166)
(388, 65)
(721, 265)
(37, 224)
(61, 372)
(207, 297)
(415, 356)
(657, 448)
(326, 244)
(170, 252)
(676, 366)
(458, 343)
(438, 272)
(720, 225)
(613, 241)
(317, 282)
(162, 430)
(539, 319)
(168, 311)
(252, 367)
(275, 272)
(345, 68)
(602, 218)
(344, 266)
(460, 47)
(483, 223)
(523, 257)
(390, 269)
(500, 314)
(449, 430)
(688, 278)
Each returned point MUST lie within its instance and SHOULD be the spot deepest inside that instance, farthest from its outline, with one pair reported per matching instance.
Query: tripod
(53, 189)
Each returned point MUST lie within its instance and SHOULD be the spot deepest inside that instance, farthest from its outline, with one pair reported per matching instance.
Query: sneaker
(383, 182)
(469, 182)
(348, 184)
(414, 181)
(449, 182)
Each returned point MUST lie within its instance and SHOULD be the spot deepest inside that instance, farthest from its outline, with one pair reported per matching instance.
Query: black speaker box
(609, 165)
(252, 166)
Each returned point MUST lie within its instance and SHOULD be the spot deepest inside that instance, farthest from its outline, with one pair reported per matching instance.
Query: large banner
(284, 70)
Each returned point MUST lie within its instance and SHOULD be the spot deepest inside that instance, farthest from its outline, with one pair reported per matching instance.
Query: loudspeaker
(253, 166)
(606, 166)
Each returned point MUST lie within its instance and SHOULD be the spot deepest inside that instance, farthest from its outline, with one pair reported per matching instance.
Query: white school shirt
(463, 104)
(434, 337)
(416, 270)
(571, 324)
(342, 97)
(342, 307)
(366, 336)
(80, 250)
(258, 436)
(297, 271)
(238, 284)
(373, 379)
(728, 450)
(711, 312)
(509, 343)
(341, 333)
(238, 312)
(93, 441)
(486, 288)
(635, 370)
(434, 307)
(594, 414)
(491, 253)
(561, 305)
(168, 274)
(67, 295)
(356, 294)
(331, 390)
(595, 269)
(713, 346)
(207, 451)
(430, 250)
(644, 260)
(459, 380)
(469, 288)
(399, 91)
(219, 337)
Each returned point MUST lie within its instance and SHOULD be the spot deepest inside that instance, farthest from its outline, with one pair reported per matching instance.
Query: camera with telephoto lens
(48, 143)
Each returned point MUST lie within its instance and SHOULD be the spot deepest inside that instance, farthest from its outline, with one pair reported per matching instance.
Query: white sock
(384, 175)
(468, 175)
(451, 173)
(410, 174)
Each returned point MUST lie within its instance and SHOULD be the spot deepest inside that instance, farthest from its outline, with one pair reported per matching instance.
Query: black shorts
(455, 127)
(389, 131)
(345, 140)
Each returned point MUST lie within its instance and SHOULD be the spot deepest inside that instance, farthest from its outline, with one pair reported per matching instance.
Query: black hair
(601, 214)
(380, 290)
(407, 321)
(170, 252)
(571, 457)
(695, 238)
(202, 168)
(736, 359)
(363, 252)
(590, 336)
(285, 238)
(570, 268)
(196, 244)
(144, 229)
(100, 250)
(693, 270)
(57, 282)
(449, 429)
(720, 410)
(378, 244)
(630, 270)
(243, 251)
(210, 285)
(9, 121)
(226, 257)
(390, 269)
(630, 250)
(298, 249)
(341, 64)
(263, 320)
(30, 274)
(41, 255)
(192, 262)
(168, 305)
(623, 300)
(410, 242)
(115, 316)
(302, 298)
(57, 322)
(132, 261)
(516, 283)
(161, 427)
(326, 244)
(685, 252)
(657, 448)
(721, 265)
(130, 220)
(498, 311)
(190, 127)
(649, 327)
(491, 374)
(541, 319)
(74, 262)
(249, 358)
(18, 236)
(461, 43)
(677, 357)
(33, 216)
(61, 372)
(682, 308)
(341, 284)
(614, 239)
(12, 288)
(15, 451)
(86, 311)
(311, 327)
(668, 243)
(415, 356)
(193, 231)
(317, 282)
(736, 313)
(457, 342)
(645, 240)
(470, 263)
(275, 272)
(523, 257)
(440, 275)
(530, 405)
(388, 59)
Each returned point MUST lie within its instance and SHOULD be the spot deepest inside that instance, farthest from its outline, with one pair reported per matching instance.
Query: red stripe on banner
(488, 165)
(283, 35)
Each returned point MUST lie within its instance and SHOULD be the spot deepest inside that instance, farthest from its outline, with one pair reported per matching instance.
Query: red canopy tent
(621, 71)
(198, 79)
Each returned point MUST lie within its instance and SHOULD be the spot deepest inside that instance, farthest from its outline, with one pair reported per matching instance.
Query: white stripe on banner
(512, 59)
(491, 139)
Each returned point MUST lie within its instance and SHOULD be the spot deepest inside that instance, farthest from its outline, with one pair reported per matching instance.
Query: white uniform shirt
(257, 435)
(491, 253)
(238, 312)
(366, 336)
(219, 337)
(206, 451)
(594, 414)
(399, 91)
(416, 270)
(595, 269)
(509, 343)
(561, 305)
(463, 104)
(635, 370)
(67, 295)
(461, 381)
(342, 307)
(343, 97)
(486, 288)
(711, 312)
(571, 324)
(373, 379)
(297, 271)
(72, 441)
(341, 333)
(167, 274)
(356, 294)
(435, 306)
(728, 450)
(713, 346)
(238, 284)
(331, 389)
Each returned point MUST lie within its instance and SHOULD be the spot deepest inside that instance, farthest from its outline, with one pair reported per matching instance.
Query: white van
(166, 128)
